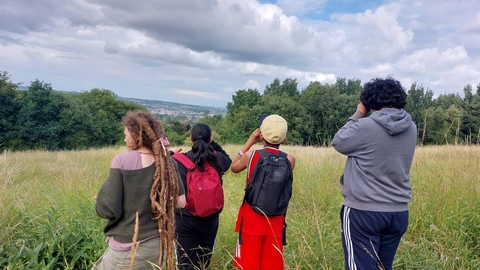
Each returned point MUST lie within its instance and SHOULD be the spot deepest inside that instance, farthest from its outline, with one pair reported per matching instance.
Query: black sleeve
(181, 186)
(224, 160)
(182, 171)
(218, 148)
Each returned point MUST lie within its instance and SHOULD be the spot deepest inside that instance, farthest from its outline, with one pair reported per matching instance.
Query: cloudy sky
(202, 51)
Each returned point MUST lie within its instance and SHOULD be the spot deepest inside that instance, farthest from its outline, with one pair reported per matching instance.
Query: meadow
(48, 219)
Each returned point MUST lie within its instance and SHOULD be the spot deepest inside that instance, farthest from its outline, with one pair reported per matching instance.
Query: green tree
(78, 123)
(176, 132)
(241, 116)
(299, 124)
(446, 112)
(418, 104)
(471, 120)
(107, 112)
(248, 98)
(287, 88)
(8, 110)
(468, 93)
(343, 107)
(215, 123)
(350, 88)
(452, 119)
(318, 100)
(38, 119)
(434, 123)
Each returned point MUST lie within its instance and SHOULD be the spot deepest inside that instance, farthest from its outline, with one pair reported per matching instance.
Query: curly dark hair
(379, 93)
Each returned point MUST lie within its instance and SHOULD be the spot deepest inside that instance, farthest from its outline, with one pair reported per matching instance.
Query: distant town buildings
(177, 110)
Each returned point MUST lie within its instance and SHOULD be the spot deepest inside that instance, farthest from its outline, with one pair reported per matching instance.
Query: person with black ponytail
(195, 235)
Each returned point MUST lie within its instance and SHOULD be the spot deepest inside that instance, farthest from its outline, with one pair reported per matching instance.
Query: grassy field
(48, 220)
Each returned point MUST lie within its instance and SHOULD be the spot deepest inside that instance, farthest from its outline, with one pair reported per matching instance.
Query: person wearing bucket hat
(260, 237)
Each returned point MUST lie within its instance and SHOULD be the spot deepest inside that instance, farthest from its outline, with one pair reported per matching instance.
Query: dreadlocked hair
(146, 130)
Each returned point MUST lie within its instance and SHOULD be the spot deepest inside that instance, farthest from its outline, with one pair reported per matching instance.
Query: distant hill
(165, 109)
(177, 110)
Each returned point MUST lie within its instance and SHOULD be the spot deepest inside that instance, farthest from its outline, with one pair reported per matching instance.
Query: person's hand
(361, 108)
(176, 149)
(215, 145)
(254, 137)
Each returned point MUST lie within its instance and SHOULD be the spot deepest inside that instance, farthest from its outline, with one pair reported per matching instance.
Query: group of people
(145, 195)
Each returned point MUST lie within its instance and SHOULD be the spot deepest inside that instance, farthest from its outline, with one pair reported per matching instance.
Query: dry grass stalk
(134, 241)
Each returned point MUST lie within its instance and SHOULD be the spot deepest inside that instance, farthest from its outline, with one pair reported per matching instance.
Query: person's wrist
(244, 149)
(362, 113)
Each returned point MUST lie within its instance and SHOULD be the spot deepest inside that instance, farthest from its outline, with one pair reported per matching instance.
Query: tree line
(41, 118)
(315, 113)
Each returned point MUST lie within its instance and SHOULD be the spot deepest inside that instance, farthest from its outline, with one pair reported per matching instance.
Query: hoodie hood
(394, 121)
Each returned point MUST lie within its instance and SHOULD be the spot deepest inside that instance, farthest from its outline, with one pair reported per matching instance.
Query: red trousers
(259, 253)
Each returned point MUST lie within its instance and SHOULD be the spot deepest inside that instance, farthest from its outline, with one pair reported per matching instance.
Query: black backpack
(270, 187)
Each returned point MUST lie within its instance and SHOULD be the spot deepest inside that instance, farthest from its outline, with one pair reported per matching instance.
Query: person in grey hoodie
(376, 180)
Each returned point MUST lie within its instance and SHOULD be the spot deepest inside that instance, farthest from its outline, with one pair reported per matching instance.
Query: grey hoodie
(380, 151)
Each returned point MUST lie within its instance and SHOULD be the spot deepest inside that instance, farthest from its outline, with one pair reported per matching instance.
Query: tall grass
(48, 218)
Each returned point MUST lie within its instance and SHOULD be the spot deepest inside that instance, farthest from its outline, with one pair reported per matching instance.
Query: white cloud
(377, 70)
(474, 25)
(145, 49)
(252, 84)
(377, 33)
(205, 95)
(229, 89)
(301, 7)
(13, 51)
(462, 75)
(432, 60)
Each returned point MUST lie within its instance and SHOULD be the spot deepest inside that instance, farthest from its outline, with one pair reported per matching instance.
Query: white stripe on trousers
(238, 252)
(347, 238)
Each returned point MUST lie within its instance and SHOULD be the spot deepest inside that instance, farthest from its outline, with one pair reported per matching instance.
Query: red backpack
(204, 188)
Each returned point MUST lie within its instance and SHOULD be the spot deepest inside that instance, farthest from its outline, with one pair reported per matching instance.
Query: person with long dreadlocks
(196, 235)
(138, 199)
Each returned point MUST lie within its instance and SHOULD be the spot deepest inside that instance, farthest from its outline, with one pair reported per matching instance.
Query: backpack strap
(184, 160)
(264, 152)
